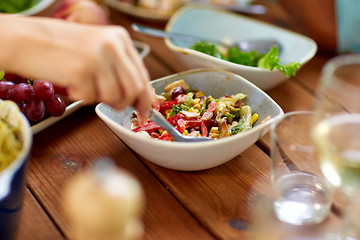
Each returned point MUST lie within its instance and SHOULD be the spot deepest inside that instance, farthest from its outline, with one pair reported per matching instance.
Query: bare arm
(95, 63)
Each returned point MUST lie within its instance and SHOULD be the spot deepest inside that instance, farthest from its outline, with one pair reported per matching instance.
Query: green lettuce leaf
(251, 58)
(271, 61)
(207, 48)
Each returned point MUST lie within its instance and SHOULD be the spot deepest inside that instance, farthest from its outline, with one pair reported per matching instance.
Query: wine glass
(336, 132)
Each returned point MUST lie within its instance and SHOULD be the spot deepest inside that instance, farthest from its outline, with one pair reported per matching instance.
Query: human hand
(81, 11)
(95, 63)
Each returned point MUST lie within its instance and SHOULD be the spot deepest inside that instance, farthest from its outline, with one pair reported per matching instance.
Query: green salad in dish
(269, 60)
(15, 6)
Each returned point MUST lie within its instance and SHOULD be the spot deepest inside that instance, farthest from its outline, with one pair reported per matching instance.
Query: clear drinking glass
(302, 194)
(336, 132)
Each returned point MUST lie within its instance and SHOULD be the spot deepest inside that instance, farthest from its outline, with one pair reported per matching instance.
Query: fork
(155, 116)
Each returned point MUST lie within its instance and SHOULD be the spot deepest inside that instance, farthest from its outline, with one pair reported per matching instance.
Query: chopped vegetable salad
(192, 113)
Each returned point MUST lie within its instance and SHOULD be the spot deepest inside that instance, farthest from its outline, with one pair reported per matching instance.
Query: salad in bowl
(195, 156)
(194, 114)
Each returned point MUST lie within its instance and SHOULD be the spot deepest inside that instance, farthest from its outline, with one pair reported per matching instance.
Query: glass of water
(302, 193)
(336, 132)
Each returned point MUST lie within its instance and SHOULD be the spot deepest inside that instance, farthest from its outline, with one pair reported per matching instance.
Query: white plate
(51, 120)
(139, 12)
(143, 49)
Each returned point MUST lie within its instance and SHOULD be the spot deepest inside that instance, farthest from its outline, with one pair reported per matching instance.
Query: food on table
(161, 6)
(37, 99)
(233, 54)
(10, 138)
(194, 114)
(81, 11)
(15, 6)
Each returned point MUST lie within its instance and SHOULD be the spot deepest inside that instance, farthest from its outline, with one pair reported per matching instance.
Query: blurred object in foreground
(16, 142)
(104, 203)
(81, 11)
(348, 17)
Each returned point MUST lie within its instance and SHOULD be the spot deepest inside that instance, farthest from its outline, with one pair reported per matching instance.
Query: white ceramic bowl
(199, 155)
(218, 24)
(40, 6)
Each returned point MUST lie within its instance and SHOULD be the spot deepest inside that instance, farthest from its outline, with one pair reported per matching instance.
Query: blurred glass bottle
(104, 203)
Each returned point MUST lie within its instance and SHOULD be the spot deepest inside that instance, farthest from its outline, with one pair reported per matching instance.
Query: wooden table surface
(212, 204)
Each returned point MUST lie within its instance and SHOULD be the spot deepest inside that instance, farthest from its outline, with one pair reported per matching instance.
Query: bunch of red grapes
(37, 99)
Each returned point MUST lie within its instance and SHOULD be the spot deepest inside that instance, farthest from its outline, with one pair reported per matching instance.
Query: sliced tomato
(174, 119)
(166, 137)
(167, 105)
(149, 127)
(181, 125)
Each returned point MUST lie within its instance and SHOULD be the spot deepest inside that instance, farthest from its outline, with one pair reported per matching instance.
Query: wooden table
(210, 204)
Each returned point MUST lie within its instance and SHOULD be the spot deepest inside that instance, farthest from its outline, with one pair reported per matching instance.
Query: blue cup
(12, 186)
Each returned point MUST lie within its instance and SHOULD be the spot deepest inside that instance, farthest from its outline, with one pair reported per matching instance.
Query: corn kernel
(167, 112)
(254, 117)
(214, 130)
(193, 110)
(197, 106)
(200, 93)
(185, 132)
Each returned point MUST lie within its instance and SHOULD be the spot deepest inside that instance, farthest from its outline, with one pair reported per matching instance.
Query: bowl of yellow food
(16, 141)
(201, 102)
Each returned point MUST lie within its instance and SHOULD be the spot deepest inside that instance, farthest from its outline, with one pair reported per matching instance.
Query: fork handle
(160, 33)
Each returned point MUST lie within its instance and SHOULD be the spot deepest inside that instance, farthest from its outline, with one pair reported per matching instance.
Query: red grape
(19, 92)
(36, 99)
(176, 92)
(14, 78)
(35, 109)
(4, 87)
(22, 107)
(43, 89)
(60, 90)
(55, 106)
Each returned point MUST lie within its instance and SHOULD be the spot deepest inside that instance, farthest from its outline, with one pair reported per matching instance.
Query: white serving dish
(219, 24)
(199, 155)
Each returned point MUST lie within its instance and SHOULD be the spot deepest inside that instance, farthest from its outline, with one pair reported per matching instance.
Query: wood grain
(72, 145)
(35, 224)
(218, 203)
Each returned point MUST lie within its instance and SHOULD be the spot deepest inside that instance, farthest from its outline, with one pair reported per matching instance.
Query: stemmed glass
(336, 131)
